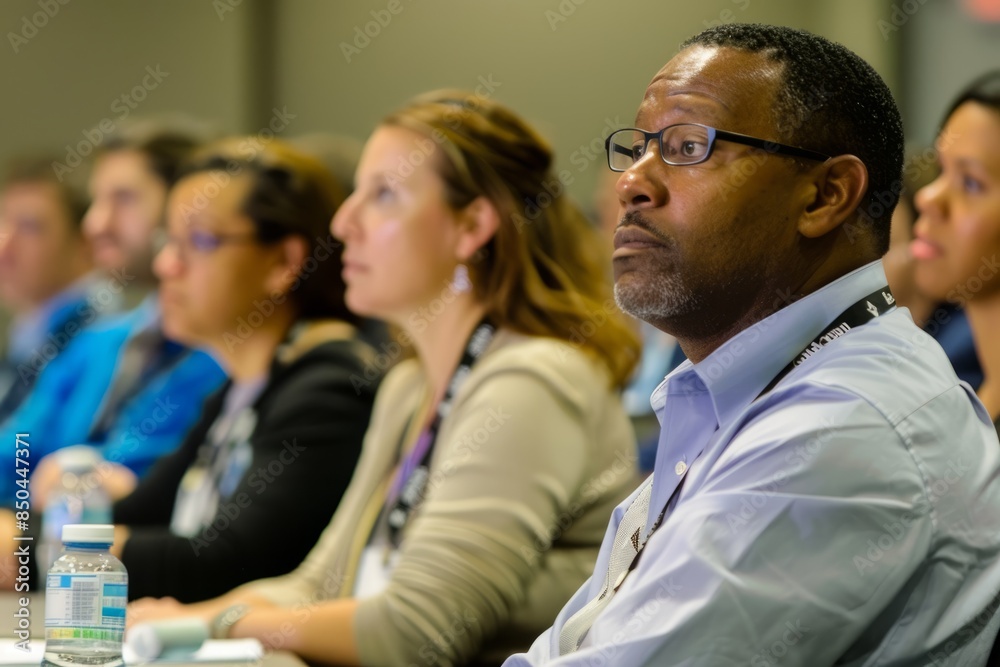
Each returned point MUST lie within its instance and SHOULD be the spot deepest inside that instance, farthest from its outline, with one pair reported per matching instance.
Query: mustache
(635, 219)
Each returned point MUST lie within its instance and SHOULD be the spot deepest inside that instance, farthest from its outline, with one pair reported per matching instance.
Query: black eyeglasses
(200, 242)
(686, 144)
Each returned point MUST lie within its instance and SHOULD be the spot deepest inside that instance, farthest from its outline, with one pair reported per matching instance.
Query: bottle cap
(88, 533)
(78, 458)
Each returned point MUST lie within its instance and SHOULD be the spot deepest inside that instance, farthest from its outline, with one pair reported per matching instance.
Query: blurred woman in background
(958, 231)
(945, 322)
(249, 272)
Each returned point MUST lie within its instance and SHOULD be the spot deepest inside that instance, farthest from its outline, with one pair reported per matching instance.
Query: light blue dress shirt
(850, 516)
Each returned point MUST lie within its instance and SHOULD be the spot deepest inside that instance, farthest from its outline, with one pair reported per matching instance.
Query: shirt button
(680, 468)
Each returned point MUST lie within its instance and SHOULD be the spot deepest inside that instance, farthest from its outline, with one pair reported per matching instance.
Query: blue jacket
(46, 334)
(68, 394)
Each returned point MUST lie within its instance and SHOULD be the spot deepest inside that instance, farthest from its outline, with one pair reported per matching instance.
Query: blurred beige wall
(569, 66)
(67, 76)
(573, 67)
(943, 49)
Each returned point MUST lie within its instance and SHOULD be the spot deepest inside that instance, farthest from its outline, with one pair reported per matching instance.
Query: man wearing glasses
(825, 490)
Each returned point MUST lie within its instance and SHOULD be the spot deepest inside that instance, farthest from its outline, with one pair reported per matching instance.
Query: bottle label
(86, 605)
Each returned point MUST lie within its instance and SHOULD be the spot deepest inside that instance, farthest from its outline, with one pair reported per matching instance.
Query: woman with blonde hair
(496, 455)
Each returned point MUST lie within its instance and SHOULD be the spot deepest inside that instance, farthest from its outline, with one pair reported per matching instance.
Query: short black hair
(35, 169)
(290, 194)
(984, 90)
(167, 142)
(833, 102)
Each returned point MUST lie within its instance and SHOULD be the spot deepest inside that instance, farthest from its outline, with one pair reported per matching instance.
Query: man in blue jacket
(46, 273)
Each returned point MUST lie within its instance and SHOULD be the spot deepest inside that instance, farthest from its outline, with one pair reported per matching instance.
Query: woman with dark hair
(249, 272)
(496, 455)
(958, 231)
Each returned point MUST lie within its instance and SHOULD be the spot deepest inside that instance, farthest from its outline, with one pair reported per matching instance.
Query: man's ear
(480, 221)
(838, 186)
(290, 253)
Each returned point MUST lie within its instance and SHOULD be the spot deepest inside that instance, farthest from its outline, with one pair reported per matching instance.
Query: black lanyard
(408, 488)
(861, 312)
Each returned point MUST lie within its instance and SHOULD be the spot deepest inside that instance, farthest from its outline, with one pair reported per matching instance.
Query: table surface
(9, 604)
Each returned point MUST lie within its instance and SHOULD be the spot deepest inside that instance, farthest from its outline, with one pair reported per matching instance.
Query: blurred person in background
(495, 456)
(945, 321)
(46, 277)
(250, 272)
(957, 234)
(121, 385)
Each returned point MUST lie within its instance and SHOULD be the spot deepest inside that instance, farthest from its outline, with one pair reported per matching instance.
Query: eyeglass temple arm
(617, 148)
(772, 146)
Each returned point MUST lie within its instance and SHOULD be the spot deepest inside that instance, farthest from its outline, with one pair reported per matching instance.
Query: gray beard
(660, 298)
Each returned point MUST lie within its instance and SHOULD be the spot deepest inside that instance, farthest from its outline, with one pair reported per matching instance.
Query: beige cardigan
(536, 450)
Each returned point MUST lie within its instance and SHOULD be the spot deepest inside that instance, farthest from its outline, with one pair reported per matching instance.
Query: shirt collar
(742, 367)
(29, 331)
(147, 314)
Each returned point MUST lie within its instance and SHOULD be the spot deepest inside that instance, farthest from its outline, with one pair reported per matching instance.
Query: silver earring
(460, 282)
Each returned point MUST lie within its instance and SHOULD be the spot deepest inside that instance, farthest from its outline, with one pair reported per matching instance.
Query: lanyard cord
(861, 312)
(410, 484)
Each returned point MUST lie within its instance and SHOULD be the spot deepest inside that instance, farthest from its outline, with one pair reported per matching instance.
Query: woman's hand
(158, 609)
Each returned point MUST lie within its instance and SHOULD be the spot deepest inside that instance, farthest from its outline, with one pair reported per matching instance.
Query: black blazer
(311, 419)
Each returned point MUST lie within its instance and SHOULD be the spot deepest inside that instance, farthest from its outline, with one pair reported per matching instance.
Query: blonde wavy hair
(542, 273)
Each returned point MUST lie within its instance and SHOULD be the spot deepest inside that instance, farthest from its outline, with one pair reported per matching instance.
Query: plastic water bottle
(79, 498)
(85, 595)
